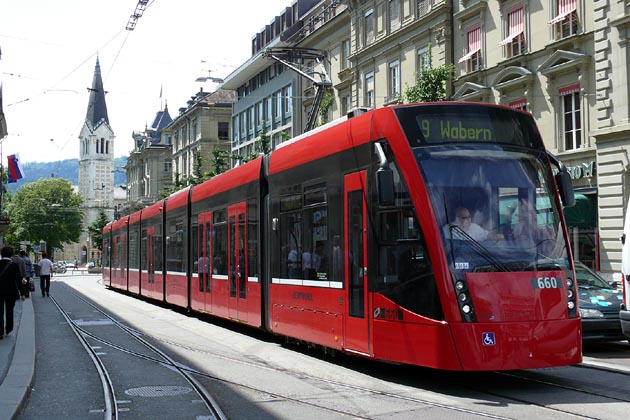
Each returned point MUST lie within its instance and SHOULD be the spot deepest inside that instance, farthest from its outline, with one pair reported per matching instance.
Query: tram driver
(463, 220)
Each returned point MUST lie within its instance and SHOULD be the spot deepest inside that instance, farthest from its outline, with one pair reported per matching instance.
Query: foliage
(430, 83)
(95, 229)
(198, 175)
(46, 210)
(327, 102)
(262, 145)
(177, 185)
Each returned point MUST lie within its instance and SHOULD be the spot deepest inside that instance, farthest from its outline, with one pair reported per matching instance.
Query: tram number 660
(546, 283)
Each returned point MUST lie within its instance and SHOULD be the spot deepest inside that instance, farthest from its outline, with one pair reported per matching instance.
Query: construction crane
(295, 57)
(137, 14)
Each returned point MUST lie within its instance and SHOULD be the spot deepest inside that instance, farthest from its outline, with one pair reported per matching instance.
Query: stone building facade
(200, 127)
(149, 165)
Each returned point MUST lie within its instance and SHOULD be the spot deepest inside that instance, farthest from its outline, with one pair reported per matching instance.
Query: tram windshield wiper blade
(478, 247)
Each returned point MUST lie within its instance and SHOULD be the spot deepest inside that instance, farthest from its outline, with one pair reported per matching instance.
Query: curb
(16, 385)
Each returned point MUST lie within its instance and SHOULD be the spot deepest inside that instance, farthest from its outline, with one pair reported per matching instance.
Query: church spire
(97, 108)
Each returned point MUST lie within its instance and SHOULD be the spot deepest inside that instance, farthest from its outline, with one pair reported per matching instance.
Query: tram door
(203, 267)
(237, 261)
(355, 267)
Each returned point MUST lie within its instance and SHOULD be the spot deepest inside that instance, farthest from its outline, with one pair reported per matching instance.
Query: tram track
(326, 385)
(111, 411)
(262, 365)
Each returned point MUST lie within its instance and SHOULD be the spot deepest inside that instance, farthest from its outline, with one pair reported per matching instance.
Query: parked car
(599, 304)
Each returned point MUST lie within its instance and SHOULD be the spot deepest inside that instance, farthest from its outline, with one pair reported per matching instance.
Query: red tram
(426, 234)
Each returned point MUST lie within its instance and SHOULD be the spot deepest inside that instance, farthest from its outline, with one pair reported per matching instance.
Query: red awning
(563, 15)
(467, 56)
(510, 38)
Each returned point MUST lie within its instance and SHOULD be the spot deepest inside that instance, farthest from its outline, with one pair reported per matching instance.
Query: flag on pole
(15, 168)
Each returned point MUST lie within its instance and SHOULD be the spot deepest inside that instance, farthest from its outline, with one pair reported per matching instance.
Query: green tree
(96, 229)
(327, 102)
(47, 210)
(197, 176)
(430, 82)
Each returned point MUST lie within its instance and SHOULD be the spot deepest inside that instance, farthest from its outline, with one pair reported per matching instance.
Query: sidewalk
(17, 360)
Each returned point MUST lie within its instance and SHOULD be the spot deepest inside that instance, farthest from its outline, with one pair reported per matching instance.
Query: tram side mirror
(385, 186)
(565, 187)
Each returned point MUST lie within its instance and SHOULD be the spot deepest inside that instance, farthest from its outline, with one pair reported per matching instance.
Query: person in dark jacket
(10, 281)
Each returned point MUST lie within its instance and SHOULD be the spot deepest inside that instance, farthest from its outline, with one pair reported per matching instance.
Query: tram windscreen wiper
(478, 247)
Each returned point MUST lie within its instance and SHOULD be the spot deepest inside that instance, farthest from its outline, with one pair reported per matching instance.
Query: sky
(49, 51)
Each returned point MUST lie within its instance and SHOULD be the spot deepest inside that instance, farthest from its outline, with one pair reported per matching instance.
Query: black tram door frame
(203, 266)
(357, 328)
(237, 261)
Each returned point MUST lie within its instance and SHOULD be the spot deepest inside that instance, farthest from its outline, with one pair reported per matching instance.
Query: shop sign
(585, 170)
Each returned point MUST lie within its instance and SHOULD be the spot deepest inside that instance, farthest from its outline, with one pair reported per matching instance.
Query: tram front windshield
(494, 206)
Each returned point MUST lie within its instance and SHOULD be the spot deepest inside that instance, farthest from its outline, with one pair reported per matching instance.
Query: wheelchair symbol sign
(487, 339)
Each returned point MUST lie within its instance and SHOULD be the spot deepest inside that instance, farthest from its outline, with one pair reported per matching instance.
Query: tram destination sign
(468, 123)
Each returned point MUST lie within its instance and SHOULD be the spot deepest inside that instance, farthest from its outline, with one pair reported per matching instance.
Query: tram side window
(219, 242)
(315, 238)
(405, 273)
(133, 249)
(175, 242)
(194, 228)
(117, 252)
(291, 236)
(252, 238)
(158, 261)
(144, 244)
(105, 257)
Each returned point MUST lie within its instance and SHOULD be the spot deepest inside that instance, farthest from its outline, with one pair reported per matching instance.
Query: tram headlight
(569, 283)
(459, 286)
(466, 309)
(570, 293)
(571, 305)
(463, 297)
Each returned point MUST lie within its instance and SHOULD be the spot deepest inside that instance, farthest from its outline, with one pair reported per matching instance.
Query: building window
(472, 59)
(287, 101)
(515, 28)
(520, 104)
(250, 122)
(369, 27)
(424, 7)
(277, 107)
(369, 89)
(571, 112)
(223, 130)
(345, 104)
(394, 15)
(345, 54)
(394, 80)
(242, 124)
(168, 165)
(565, 23)
(423, 60)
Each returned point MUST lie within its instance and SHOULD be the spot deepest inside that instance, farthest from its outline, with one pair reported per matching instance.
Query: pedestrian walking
(30, 274)
(45, 273)
(10, 280)
(20, 262)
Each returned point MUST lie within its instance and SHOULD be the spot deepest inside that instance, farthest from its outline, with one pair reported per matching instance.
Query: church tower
(96, 161)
